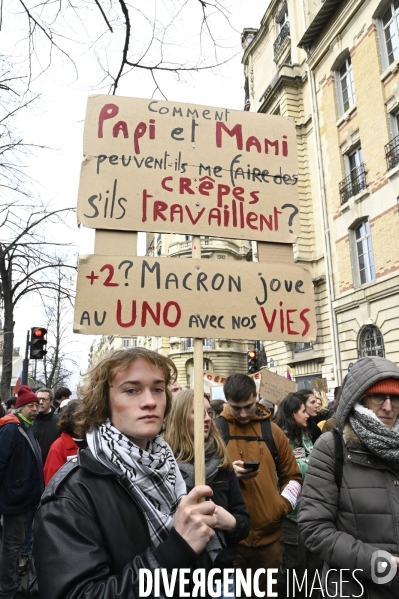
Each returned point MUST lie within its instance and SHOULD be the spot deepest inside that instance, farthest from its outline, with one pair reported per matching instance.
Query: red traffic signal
(253, 361)
(37, 342)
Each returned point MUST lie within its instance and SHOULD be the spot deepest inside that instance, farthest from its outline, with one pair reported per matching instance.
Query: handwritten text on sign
(193, 298)
(168, 167)
(274, 387)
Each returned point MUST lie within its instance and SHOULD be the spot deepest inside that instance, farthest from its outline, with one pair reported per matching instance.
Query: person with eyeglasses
(350, 498)
(232, 517)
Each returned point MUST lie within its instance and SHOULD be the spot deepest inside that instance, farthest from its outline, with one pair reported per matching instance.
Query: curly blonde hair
(178, 437)
(94, 406)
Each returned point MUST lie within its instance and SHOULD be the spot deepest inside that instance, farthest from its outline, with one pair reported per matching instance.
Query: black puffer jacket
(91, 538)
(345, 528)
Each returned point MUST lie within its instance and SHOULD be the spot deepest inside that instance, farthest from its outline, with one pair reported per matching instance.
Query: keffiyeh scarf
(151, 476)
(378, 438)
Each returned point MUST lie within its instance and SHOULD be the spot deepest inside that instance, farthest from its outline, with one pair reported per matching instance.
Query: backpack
(267, 437)
(338, 458)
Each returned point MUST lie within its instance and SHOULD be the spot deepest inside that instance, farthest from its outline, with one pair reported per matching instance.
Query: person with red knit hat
(21, 484)
(349, 512)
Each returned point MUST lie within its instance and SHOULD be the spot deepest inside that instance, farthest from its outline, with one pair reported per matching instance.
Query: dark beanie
(386, 386)
(25, 395)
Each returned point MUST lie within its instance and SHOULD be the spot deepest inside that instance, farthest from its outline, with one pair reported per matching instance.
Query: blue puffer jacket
(21, 469)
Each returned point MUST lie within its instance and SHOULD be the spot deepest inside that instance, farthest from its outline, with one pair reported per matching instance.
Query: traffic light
(252, 358)
(37, 342)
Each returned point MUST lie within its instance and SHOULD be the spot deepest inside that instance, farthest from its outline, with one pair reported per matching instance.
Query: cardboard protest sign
(151, 165)
(275, 387)
(217, 393)
(194, 298)
(320, 385)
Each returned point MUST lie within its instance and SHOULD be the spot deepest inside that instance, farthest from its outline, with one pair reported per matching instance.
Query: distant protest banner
(213, 379)
(194, 298)
(151, 165)
(274, 387)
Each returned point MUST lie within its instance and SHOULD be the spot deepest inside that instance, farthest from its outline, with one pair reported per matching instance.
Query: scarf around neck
(151, 476)
(378, 438)
(211, 467)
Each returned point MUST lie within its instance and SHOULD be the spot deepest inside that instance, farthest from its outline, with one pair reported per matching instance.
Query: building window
(371, 342)
(346, 86)
(282, 18)
(188, 344)
(302, 347)
(355, 180)
(363, 260)
(283, 28)
(126, 342)
(390, 27)
(392, 147)
(306, 382)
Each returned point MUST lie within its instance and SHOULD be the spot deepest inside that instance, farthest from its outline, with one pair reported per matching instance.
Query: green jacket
(301, 452)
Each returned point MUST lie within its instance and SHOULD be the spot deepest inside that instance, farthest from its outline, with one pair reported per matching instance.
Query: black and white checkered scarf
(378, 438)
(151, 476)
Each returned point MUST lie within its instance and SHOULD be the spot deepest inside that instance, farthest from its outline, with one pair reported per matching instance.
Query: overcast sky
(57, 122)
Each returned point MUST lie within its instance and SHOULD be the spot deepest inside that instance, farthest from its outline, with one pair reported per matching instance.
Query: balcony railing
(284, 33)
(392, 153)
(353, 183)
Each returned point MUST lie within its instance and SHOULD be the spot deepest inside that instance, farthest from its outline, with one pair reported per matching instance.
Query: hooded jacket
(21, 469)
(346, 527)
(264, 503)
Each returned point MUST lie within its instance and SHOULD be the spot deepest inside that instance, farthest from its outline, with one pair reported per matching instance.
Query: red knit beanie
(387, 386)
(25, 395)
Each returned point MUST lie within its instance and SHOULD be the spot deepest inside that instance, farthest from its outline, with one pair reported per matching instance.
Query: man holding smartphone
(267, 499)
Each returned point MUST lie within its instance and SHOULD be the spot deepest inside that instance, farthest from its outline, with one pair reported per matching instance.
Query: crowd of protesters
(103, 487)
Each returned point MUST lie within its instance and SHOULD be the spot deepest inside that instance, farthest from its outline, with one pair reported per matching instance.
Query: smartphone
(251, 465)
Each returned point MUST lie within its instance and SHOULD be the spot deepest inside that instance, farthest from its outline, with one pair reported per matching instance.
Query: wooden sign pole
(199, 445)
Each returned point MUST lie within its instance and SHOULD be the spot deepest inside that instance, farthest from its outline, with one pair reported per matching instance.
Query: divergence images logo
(383, 570)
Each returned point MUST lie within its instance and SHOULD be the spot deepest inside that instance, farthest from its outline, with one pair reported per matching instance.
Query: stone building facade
(333, 66)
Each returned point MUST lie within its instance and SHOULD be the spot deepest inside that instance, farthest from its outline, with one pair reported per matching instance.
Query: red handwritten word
(251, 141)
(285, 317)
(146, 310)
(234, 215)
(206, 185)
(109, 111)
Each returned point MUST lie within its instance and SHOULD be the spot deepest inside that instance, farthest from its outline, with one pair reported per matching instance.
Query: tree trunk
(8, 339)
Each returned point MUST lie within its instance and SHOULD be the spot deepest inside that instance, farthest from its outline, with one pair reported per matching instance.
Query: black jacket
(21, 469)
(227, 494)
(46, 431)
(314, 430)
(91, 537)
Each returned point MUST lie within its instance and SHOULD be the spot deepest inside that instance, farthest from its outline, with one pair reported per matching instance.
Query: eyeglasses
(379, 399)
(211, 414)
